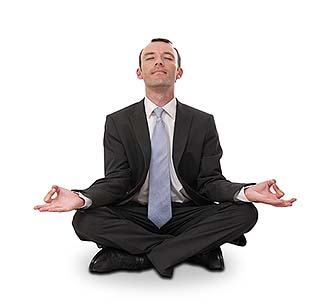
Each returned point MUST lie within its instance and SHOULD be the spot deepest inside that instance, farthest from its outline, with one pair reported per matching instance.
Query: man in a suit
(163, 200)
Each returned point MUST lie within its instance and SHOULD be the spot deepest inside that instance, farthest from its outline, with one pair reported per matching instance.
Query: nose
(158, 62)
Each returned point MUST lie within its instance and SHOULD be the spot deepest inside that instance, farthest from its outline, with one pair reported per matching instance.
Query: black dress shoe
(240, 241)
(110, 259)
(212, 260)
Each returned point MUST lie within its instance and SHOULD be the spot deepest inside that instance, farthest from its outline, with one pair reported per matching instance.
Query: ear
(179, 73)
(139, 73)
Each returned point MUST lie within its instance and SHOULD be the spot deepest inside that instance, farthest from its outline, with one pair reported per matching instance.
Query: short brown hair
(164, 41)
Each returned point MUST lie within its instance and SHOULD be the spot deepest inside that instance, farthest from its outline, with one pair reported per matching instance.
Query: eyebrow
(152, 53)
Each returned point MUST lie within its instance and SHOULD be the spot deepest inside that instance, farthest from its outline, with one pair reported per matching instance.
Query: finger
(43, 207)
(50, 208)
(56, 209)
(37, 207)
(57, 188)
(271, 182)
(48, 197)
(284, 203)
(272, 200)
(278, 191)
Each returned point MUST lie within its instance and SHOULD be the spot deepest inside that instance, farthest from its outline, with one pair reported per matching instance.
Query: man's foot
(110, 259)
(212, 260)
(240, 241)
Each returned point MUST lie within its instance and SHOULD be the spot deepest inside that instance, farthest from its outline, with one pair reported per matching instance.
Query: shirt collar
(169, 108)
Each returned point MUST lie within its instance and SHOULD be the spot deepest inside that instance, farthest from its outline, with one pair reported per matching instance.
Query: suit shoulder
(126, 111)
(195, 112)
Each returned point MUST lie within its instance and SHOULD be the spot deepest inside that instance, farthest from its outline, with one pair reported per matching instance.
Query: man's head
(159, 64)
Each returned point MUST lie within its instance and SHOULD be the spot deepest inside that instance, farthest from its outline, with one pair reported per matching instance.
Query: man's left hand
(262, 193)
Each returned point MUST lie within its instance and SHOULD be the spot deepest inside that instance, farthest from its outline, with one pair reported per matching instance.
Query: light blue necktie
(159, 203)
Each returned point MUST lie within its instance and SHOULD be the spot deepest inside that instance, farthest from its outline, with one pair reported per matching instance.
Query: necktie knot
(158, 112)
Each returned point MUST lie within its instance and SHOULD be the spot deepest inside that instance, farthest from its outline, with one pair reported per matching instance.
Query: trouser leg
(199, 229)
(123, 227)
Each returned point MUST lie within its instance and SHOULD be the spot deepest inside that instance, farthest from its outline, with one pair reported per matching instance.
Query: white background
(64, 65)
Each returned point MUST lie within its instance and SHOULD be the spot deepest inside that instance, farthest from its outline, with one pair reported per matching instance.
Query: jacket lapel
(181, 132)
(140, 127)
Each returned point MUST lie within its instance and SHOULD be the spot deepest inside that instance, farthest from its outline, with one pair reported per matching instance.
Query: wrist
(247, 192)
(80, 201)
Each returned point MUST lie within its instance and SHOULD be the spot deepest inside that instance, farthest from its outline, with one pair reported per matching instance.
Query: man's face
(159, 66)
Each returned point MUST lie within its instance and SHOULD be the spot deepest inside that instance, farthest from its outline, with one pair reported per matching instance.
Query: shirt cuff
(87, 201)
(240, 196)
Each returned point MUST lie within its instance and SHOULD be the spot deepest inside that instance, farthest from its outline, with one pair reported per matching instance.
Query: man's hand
(262, 193)
(59, 199)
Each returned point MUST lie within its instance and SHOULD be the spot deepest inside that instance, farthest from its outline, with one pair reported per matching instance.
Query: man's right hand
(60, 199)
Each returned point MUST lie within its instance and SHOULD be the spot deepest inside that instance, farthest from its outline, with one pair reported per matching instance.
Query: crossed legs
(192, 229)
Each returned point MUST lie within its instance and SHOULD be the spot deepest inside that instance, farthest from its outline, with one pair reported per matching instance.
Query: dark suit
(196, 158)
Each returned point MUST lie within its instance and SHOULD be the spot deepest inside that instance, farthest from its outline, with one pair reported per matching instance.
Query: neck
(160, 98)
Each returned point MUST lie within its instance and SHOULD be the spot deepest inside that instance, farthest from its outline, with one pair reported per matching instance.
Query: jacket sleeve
(114, 186)
(211, 183)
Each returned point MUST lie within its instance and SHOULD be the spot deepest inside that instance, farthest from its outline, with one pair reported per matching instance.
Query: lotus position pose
(163, 200)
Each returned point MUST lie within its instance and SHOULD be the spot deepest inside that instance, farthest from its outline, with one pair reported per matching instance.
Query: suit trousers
(192, 229)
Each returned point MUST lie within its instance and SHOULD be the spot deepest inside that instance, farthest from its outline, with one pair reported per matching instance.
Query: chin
(161, 82)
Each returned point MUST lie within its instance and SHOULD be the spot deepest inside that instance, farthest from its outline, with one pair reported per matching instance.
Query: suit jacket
(127, 152)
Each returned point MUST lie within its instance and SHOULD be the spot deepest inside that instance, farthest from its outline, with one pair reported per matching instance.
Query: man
(163, 200)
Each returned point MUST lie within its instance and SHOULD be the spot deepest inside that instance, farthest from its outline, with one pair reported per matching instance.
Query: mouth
(159, 72)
